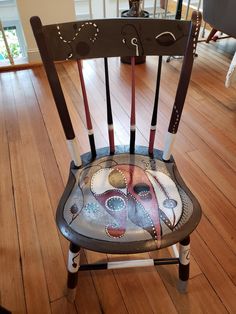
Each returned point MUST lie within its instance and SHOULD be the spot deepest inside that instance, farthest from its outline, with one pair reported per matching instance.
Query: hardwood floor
(33, 171)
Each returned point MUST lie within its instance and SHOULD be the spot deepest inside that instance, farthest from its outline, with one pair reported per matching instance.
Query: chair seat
(126, 203)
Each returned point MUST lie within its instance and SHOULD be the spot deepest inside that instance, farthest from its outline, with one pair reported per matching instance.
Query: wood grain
(11, 283)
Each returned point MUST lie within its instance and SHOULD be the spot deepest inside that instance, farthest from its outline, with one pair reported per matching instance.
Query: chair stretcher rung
(129, 264)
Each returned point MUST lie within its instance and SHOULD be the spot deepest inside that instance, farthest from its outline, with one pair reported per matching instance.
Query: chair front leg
(184, 264)
(211, 35)
(73, 268)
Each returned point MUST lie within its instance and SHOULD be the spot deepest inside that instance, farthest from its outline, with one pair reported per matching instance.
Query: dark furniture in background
(4, 311)
(221, 16)
(123, 199)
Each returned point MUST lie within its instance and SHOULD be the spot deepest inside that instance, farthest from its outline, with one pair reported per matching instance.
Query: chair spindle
(109, 111)
(132, 118)
(155, 108)
(87, 112)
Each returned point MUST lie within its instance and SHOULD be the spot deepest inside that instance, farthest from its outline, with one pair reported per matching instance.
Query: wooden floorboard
(34, 164)
(11, 283)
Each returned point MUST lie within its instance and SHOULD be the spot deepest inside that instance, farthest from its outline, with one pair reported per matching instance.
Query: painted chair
(123, 199)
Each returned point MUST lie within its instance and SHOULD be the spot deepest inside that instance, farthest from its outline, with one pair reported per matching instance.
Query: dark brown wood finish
(114, 37)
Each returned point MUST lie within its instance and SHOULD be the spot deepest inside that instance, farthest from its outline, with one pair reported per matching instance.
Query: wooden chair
(123, 199)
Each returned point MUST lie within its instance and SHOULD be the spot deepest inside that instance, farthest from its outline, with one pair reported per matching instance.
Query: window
(13, 32)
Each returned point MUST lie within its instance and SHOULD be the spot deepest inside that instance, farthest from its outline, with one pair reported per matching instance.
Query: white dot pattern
(149, 218)
(198, 23)
(111, 203)
(177, 115)
(92, 39)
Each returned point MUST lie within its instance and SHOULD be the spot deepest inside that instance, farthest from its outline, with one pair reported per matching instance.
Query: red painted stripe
(86, 107)
(151, 141)
(111, 141)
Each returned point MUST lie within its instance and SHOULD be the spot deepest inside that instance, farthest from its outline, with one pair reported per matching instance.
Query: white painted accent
(110, 127)
(166, 183)
(100, 182)
(184, 254)
(165, 33)
(175, 250)
(73, 147)
(73, 259)
(134, 42)
(169, 142)
(133, 263)
(90, 132)
(153, 127)
(133, 127)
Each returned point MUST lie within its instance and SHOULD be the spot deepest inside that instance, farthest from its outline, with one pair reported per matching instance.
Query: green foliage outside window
(13, 43)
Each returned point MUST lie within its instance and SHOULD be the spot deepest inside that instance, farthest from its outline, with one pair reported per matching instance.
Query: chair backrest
(121, 37)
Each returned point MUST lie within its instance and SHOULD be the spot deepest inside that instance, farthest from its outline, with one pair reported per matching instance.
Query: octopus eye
(170, 203)
(115, 203)
(74, 209)
(143, 191)
(165, 39)
(141, 187)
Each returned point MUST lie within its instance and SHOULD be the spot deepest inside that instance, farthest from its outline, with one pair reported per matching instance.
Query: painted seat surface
(128, 199)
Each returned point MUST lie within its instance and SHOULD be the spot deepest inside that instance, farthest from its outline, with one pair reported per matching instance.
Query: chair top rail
(114, 37)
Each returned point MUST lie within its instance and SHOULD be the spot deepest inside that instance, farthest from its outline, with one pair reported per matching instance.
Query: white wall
(50, 11)
(9, 13)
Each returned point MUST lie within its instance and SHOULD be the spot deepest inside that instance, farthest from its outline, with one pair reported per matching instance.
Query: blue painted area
(91, 208)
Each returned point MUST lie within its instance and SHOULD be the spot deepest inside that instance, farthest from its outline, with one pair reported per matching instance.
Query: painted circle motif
(91, 207)
(115, 231)
(170, 203)
(115, 203)
(117, 179)
(141, 188)
(74, 209)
